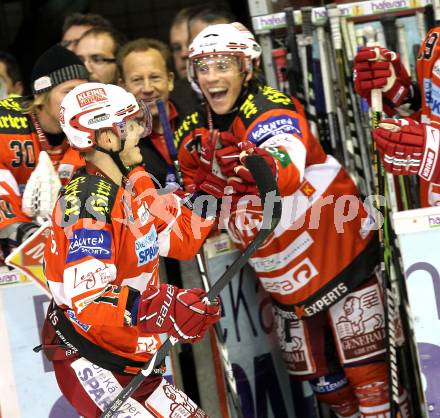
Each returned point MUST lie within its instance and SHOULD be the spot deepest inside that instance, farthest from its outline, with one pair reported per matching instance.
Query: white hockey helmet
(93, 106)
(224, 39)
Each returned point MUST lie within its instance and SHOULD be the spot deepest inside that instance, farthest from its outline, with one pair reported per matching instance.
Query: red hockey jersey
(106, 239)
(428, 76)
(20, 147)
(324, 245)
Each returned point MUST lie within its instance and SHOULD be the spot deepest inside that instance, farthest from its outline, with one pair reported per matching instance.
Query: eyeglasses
(97, 60)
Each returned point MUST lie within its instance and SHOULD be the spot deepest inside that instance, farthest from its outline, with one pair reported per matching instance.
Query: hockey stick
(359, 167)
(271, 216)
(359, 126)
(294, 75)
(370, 34)
(327, 83)
(389, 25)
(230, 380)
(395, 294)
(385, 262)
(432, 12)
(307, 37)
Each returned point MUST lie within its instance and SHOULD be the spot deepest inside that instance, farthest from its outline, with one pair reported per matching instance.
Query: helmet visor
(219, 63)
(141, 119)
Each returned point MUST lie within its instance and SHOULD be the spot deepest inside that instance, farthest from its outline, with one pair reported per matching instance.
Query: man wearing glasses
(76, 24)
(97, 48)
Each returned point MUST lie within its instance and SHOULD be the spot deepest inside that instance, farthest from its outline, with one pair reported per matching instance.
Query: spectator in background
(197, 18)
(27, 129)
(145, 68)
(203, 16)
(11, 82)
(76, 24)
(179, 41)
(98, 48)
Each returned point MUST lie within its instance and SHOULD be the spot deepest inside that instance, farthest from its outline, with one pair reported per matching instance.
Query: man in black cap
(28, 179)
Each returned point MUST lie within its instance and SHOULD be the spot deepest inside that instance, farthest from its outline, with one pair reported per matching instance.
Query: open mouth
(218, 93)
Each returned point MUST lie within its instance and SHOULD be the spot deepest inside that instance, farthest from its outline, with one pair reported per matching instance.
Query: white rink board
(28, 388)
(419, 238)
(263, 383)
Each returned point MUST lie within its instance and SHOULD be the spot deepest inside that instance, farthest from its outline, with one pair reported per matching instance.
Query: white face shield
(142, 117)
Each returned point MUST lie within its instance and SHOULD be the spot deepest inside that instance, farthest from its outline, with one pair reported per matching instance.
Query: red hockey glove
(208, 176)
(243, 181)
(228, 155)
(181, 313)
(380, 68)
(407, 147)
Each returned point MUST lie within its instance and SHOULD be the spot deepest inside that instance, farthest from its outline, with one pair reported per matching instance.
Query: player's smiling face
(220, 79)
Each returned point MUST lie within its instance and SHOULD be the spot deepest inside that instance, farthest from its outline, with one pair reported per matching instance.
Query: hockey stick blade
(268, 189)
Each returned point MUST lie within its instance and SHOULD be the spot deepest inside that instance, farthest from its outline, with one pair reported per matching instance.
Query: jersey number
(6, 211)
(429, 47)
(24, 153)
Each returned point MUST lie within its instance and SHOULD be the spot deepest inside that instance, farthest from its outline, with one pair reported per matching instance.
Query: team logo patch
(73, 318)
(147, 247)
(91, 96)
(330, 383)
(273, 126)
(307, 189)
(282, 156)
(360, 324)
(89, 242)
(293, 343)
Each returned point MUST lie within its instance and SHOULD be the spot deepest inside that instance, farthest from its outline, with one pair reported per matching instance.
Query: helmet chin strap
(115, 156)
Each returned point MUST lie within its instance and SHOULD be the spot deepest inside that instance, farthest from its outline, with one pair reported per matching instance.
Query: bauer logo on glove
(185, 314)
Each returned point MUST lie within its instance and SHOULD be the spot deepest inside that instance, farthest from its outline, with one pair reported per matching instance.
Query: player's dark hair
(118, 37)
(88, 19)
(211, 13)
(12, 68)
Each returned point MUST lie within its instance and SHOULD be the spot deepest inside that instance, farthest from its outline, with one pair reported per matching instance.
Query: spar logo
(147, 247)
(91, 96)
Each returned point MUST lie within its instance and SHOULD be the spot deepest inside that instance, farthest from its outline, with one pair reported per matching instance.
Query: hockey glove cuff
(407, 147)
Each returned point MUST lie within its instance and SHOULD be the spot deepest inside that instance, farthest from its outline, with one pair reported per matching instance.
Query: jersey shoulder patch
(88, 196)
(264, 99)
